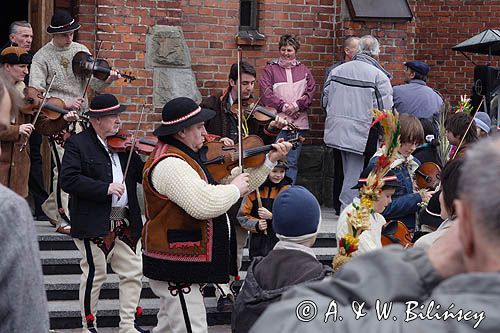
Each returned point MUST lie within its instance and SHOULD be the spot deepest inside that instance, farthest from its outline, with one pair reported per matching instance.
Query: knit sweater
(51, 59)
(174, 178)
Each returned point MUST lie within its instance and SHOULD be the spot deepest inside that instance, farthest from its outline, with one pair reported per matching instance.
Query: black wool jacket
(86, 173)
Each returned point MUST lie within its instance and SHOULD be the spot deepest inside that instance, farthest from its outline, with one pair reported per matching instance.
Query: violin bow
(467, 130)
(259, 203)
(133, 144)
(240, 116)
(37, 114)
(92, 71)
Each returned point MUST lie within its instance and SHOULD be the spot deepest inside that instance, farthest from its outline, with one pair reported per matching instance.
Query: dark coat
(268, 278)
(14, 163)
(86, 173)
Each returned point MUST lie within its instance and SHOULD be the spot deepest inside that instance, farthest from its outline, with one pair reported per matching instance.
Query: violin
(122, 142)
(428, 176)
(221, 159)
(396, 232)
(53, 107)
(84, 65)
(250, 108)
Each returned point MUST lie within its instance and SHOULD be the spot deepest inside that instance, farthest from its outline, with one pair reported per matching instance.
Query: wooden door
(40, 13)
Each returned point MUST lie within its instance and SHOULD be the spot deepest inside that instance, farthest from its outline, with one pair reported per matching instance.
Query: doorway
(19, 12)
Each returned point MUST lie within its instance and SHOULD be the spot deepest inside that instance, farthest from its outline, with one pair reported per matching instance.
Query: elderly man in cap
(14, 162)
(186, 238)
(56, 58)
(454, 286)
(105, 212)
(415, 97)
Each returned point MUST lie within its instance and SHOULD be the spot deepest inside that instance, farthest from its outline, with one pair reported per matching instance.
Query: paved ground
(211, 329)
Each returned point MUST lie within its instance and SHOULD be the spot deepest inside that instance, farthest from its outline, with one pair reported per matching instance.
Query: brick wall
(210, 27)
(123, 27)
(457, 20)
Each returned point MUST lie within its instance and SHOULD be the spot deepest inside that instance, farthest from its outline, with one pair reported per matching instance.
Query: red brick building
(210, 28)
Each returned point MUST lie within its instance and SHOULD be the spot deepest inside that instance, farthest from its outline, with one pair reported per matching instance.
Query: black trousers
(35, 182)
(338, 179)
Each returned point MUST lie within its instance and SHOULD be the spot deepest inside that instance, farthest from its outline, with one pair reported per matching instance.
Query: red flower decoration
(138, 311)
(379, 118)
(89, 318)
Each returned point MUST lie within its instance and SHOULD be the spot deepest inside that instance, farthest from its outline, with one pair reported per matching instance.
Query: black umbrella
(487, 42)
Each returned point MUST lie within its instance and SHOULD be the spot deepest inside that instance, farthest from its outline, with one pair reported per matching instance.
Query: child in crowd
(296, 220)
(427, 152)
(450, 177)
(406, 199)
(255, 212)
(483, 124)
(370, 239)
(456, 129)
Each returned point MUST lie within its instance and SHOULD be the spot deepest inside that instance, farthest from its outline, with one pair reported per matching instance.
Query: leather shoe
(64, 228)
(225, 304)
(140, 329)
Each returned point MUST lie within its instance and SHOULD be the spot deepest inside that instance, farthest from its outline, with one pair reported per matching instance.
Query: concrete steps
(60, 264)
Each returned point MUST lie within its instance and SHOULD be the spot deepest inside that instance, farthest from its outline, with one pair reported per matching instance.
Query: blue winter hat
(483, 121)
(296, 214)
(418, 66)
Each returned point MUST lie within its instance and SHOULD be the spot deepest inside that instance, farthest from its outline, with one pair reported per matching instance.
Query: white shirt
(117, 177)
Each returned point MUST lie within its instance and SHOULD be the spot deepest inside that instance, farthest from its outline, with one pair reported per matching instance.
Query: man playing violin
(225, 125)
(14, 162)
(105, 213)
(56, 58)
(225, 122)
(186, 239)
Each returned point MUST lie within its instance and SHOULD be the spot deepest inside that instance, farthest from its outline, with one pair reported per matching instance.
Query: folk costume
(186, 239)
(14, 162)
(225, 124)
(48, 60)
(360, 217)
(105, 228)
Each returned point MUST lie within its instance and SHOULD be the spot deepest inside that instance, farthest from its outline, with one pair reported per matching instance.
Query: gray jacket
(23, 302)
(391, 276)
(417, 99)
(350, 92)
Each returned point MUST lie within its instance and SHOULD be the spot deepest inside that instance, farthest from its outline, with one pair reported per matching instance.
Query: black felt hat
(105, 105)
(390, 179)
(431, 214)
(179, 113)
(15, 56)
(62, 22)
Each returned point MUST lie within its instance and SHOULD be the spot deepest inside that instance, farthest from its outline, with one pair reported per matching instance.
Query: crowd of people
(198, 222)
